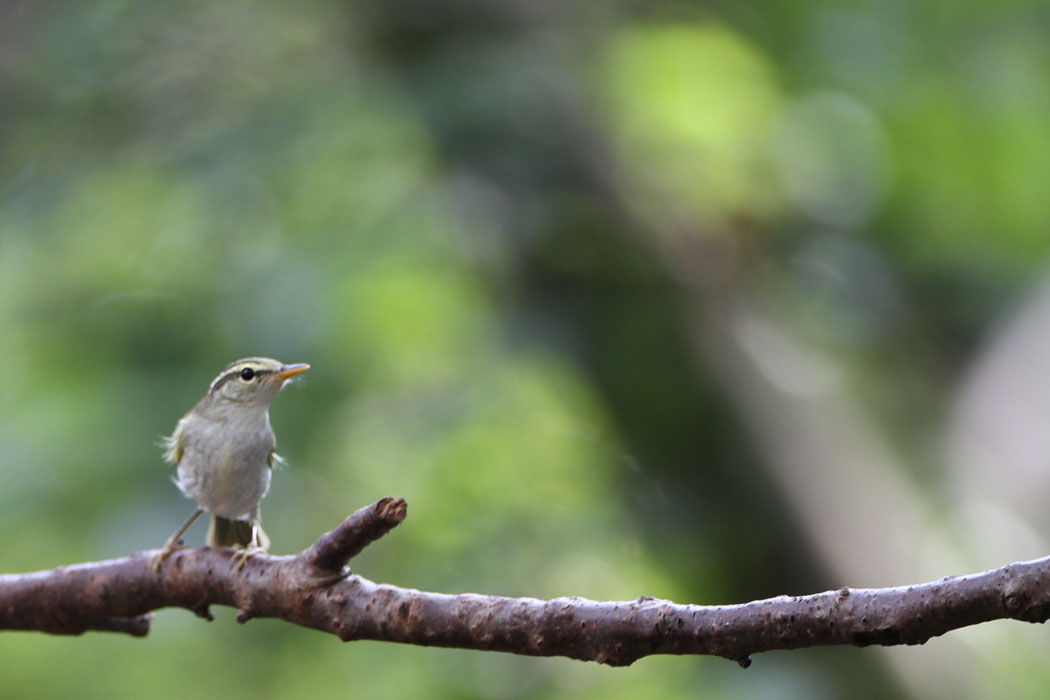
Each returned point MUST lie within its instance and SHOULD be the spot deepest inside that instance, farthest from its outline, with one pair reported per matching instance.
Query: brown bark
(314, 589)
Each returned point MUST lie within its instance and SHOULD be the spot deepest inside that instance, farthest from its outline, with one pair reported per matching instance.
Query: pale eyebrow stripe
(235, 370)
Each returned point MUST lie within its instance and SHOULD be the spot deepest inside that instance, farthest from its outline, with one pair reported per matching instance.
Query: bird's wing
(175, 445)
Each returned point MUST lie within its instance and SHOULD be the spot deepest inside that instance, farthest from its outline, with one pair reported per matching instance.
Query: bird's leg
(173, 542)
(258, 544)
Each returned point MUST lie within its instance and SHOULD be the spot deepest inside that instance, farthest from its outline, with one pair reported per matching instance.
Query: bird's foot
(174, 542)
(241, 556)
(170, 547)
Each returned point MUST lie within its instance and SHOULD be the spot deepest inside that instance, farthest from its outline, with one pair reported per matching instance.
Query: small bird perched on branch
(224, 450)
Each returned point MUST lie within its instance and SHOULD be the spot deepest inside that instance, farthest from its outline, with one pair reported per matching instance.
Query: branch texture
(314, 589)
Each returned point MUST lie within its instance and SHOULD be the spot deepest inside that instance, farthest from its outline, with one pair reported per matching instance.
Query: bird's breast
(227, 470)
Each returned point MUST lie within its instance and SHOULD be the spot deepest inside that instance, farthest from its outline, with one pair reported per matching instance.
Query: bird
(224, 451)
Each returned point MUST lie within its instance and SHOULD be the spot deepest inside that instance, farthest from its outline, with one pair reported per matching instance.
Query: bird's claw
(170, 547)
(241, 556)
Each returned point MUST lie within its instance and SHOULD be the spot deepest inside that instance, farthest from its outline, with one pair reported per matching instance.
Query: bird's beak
(289, 371)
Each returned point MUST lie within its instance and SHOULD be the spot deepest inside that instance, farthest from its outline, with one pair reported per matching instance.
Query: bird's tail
(223, 532)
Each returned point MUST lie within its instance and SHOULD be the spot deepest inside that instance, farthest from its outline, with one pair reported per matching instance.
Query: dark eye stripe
(238, 373)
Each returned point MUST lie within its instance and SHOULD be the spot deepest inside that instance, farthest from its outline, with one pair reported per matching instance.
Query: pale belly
(225, 480)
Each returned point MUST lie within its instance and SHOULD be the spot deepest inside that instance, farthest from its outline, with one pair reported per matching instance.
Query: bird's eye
(247, 373)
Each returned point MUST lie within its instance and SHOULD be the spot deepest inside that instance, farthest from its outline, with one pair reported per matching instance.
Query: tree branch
(314, 589)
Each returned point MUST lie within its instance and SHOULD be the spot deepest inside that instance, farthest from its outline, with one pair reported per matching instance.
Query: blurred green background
(699, 300)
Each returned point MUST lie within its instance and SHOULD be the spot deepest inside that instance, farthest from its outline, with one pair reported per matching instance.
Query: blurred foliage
(465, 217)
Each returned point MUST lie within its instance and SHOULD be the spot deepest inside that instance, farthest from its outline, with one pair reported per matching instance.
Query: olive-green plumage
(224, 450)
(223, 532)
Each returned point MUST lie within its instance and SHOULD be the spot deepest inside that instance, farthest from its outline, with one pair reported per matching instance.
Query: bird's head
(253, 381)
